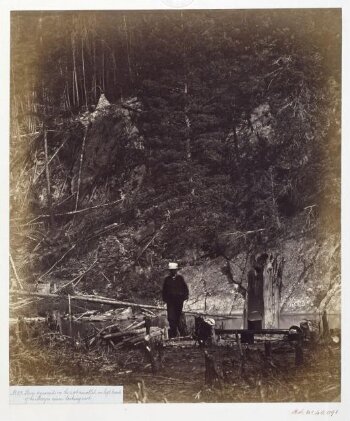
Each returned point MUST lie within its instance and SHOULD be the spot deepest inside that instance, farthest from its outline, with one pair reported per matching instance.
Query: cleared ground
(50, 359)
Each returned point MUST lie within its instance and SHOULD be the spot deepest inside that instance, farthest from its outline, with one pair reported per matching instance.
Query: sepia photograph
(175, 203)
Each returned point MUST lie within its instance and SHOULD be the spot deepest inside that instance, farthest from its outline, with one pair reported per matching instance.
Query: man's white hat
(173, 265)
(209, 321)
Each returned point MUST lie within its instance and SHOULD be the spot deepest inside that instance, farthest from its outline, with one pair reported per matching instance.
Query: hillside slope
(201, 137)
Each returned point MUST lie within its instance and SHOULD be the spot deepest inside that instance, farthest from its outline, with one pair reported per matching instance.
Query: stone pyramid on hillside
(102, 103)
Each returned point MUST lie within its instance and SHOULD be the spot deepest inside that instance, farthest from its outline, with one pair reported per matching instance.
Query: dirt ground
(49, 359)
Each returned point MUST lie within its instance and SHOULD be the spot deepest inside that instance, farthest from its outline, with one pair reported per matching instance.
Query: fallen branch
(135, 326)
(56, 263)
(77, 278)
(82, 315)
(148, 313)
(142, 338)
(80, 167)
(48, 183)
(103, 230)
(24, 303)
(27, 320)
(150, 241)
(132, 325)
(48, 162)
(117, 303)
(26, 134)
(243, 234)
(179, 338)
(70, 212)
(122, 334)
(15, 272)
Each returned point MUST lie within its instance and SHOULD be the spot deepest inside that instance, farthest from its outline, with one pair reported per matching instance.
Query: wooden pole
(239, 345)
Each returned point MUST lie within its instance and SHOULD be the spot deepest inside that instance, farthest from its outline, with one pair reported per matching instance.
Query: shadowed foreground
(55, 360)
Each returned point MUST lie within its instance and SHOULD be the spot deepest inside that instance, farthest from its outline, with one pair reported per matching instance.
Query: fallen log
(133, 325)
(141, 338)
(148, 313)
(89, 299)
(136, 326)
(134, 334)
(252, 331)
(179, 338)
(113, 326)
(118, 303)
(121, 334)
(28, 320)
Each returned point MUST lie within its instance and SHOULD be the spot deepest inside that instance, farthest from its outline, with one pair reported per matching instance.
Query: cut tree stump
(325, 326)
(212, 375)
(273, 271)
(183, 325)
(299, 356)
(154, 350)
(148, 324)
(268, 349)
(141, 393)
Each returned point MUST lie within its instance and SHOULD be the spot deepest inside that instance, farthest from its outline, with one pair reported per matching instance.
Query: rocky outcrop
(311, 279)
(112, 140)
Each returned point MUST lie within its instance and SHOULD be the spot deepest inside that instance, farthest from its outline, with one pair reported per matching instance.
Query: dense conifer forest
(215, 122)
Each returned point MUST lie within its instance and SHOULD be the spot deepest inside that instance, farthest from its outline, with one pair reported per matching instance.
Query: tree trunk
(83, 64)
(75, 78)
(274, 200)
(80, 168)
(273, 270)
(94, 84)
(235, 142)
(128, 48)
(103, 69)
(49, 199)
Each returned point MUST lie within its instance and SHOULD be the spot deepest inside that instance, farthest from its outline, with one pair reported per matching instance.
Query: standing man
(175, 292)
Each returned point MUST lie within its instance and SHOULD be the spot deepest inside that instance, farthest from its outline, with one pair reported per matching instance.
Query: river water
(286, 320)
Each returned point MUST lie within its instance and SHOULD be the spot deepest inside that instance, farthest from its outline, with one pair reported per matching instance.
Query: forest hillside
(203, 137)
